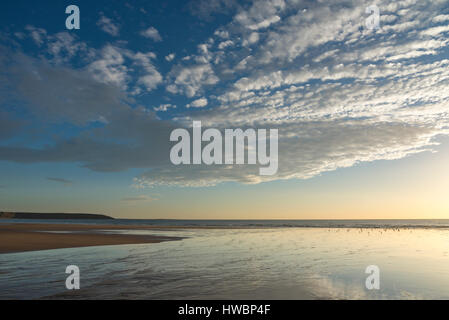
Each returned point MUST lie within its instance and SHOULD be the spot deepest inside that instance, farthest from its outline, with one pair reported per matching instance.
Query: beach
(22, 237)
(123, 259)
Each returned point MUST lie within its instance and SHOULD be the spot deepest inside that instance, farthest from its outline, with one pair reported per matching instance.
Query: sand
(23, 237)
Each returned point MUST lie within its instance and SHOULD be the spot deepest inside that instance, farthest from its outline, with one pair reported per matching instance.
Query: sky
(362, 113)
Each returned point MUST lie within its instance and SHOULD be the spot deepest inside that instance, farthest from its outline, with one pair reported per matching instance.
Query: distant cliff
(33, 215)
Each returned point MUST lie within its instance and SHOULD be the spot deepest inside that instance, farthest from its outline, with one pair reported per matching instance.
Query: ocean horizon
(255, 223)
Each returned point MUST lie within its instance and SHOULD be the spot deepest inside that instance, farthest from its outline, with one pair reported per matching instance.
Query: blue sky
(86, 114)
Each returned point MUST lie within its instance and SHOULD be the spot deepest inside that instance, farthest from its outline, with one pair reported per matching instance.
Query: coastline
(42, 235)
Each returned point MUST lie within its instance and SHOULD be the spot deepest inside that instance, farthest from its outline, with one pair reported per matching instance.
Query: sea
(244, 259)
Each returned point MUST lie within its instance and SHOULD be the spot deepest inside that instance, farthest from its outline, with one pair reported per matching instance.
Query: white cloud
(225, 44)
(261, 15)
(62, 46)
(222, 34)
(151, 33)
(164, 107)
(112, 67)
(252, 39)
(199, 103)
(435, 31)
(150, 78)
(170, 57)
(265, 23)
(441, 18)
(37, 34)
(107, 25)
(190, 80)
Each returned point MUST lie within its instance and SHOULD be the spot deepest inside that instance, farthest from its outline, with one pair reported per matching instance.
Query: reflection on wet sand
(270, 263)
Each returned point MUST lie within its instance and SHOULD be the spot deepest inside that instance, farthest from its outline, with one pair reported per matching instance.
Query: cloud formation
(107, 25)
(151, 33)
(338, 93)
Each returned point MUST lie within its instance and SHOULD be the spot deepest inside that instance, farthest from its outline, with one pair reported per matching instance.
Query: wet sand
(31, 237)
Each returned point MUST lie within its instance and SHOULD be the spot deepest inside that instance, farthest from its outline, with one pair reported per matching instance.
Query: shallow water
(269, 263)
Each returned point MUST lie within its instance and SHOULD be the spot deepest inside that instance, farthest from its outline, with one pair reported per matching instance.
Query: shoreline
(23, 237)
(31, 236)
